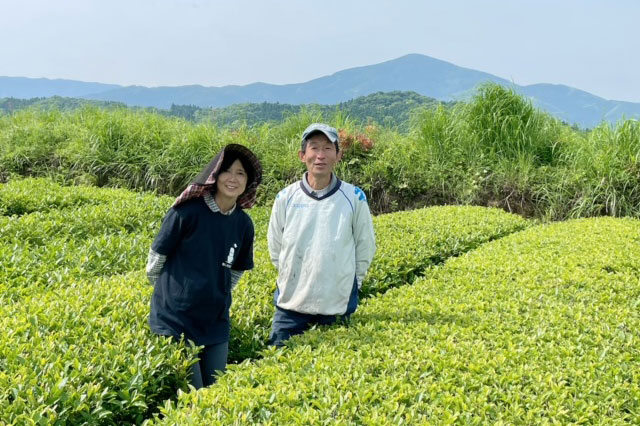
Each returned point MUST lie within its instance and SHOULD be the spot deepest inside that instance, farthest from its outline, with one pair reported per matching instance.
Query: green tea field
(470, 315)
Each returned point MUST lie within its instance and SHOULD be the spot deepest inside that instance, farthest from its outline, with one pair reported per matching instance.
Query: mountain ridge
(422, 74)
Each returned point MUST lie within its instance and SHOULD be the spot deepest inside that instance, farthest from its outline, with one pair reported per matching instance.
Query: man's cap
(329, 132)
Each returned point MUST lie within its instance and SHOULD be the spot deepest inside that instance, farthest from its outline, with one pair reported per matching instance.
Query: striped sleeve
(235, 277)
(155, 262)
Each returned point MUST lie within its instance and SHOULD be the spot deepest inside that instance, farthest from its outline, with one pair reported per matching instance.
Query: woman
(204, 245)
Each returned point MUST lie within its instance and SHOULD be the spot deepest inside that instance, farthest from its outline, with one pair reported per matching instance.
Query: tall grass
(495, 150)
(490, 151)
(608, 171)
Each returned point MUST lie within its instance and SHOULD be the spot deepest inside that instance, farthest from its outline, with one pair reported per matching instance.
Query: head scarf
(206, 180)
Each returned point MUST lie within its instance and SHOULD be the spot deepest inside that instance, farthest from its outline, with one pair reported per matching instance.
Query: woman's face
(232, 182)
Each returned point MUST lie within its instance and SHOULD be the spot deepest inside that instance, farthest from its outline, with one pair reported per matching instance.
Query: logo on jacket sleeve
(360, 194)
(230, 256)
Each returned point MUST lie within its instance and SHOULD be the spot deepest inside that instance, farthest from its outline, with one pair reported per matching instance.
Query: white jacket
(319, 245)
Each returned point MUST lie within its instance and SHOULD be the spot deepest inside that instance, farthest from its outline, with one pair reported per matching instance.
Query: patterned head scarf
(206, 180)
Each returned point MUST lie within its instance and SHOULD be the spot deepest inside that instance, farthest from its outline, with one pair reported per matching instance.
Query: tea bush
(84, 354)
(77, 348)
(27, 195)
(93, 233)
(408, 243)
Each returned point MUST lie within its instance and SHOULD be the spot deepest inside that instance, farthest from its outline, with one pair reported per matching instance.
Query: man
(321, 241)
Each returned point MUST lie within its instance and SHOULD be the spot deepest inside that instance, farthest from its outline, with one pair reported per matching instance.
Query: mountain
(418, 73)
(577, 106)
(26, 88)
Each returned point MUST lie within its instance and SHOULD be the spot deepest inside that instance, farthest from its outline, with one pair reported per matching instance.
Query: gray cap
(328, 131)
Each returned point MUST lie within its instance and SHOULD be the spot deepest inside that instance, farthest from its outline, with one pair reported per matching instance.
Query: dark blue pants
(288, 323)
(213, 358)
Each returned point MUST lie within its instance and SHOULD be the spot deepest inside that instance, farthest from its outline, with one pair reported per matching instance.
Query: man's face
(320, 156)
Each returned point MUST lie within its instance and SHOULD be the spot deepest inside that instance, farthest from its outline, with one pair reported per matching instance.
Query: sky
(587, 44)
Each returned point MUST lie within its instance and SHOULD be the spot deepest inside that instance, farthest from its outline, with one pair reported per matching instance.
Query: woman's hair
(227, 161)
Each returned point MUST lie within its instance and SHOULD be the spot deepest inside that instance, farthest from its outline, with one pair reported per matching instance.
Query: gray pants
(212, 358)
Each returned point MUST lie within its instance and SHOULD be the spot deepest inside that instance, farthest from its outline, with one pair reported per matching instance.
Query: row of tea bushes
(540, 327)
(20, 196)
(76, 348)
(408, 243)
(83, 354)
(28, 269)
(415, 240)
(139, 214)
(101, 233)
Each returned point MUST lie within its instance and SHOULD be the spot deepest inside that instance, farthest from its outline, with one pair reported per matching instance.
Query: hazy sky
(587, 44)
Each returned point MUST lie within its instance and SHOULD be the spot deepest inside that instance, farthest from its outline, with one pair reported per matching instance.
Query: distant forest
(391, 109)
